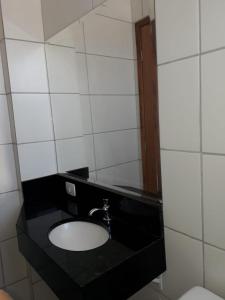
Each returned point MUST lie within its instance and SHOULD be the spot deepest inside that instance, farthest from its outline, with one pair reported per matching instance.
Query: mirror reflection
(103, 84)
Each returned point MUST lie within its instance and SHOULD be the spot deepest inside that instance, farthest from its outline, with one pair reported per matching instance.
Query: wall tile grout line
(191, 56)
(178, 60)
(179, 150)
(89, 99)
(201, 137)
(63, 93)
(119, 164)
(107, 56)
(50, 102)
(8, 192)
(115, 19)
(194, 238)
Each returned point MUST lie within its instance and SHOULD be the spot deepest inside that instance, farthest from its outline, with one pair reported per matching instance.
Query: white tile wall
(9, 211)
(214, 270)
(42, 291)
(120, 79)
(4, 70)
(97, 2)
(61, 62)
(14, 265)
(27, 67)
(114, 148)
(34, 275)
(82, 71)
(214, 205)
(148, 293)
(71, 154)
(37, 160)
(67, 115)
(5, 133)
(116, 9)
(36, 124)
(178, 37)
(71, 36)
(181, 185)
(20, 290)
(213, 106)
(8, 180)
(136, 10)
(212, 24)
(86, 114)
(2, 82)
(114, 112)
(177, 24)
(22, 19)
(149, 8)
(89, 151)
(184, 264)
(179, 105)
(100, 41)
(125, 174)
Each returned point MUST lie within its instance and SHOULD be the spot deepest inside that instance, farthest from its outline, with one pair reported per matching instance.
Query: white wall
(13, 268)
(58, 14)
(191, 68)
(108, 98)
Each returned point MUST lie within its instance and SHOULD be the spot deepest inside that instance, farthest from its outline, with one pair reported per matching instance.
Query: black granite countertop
(136, 240)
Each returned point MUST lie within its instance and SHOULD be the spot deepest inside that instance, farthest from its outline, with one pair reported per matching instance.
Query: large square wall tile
(71, 154)
(177, 26)
(184, 264)
(9, 212)
(27, 67)
(67, 115)
(214, 270)
(5, 132)
(213, 104)
(14, 265)
(117, 147)
(100, 41)
(114, 113)
(213, 195)
(179, 105)
(37, 160)
(126, 174)
(8, 179)
(62, 69)
(212, 24)
(42, 291)
(120, 79)
(20, 290)
(33, 120)
(181, 185)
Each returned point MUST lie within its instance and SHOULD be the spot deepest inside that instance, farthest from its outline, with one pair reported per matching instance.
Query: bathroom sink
(78, 236)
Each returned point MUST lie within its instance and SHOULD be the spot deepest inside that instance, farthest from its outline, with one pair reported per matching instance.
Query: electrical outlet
(71, 189)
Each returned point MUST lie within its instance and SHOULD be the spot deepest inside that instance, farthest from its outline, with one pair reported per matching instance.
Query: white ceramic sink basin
(78, 236)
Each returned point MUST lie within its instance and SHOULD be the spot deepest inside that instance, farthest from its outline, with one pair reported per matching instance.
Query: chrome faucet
(105, 209)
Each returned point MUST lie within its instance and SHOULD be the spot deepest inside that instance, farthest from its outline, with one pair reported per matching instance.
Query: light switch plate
(71, 189)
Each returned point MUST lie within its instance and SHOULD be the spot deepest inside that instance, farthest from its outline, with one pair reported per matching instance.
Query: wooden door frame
(156, 146)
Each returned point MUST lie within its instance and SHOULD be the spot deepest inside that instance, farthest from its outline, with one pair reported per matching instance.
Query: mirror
(103, 83)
